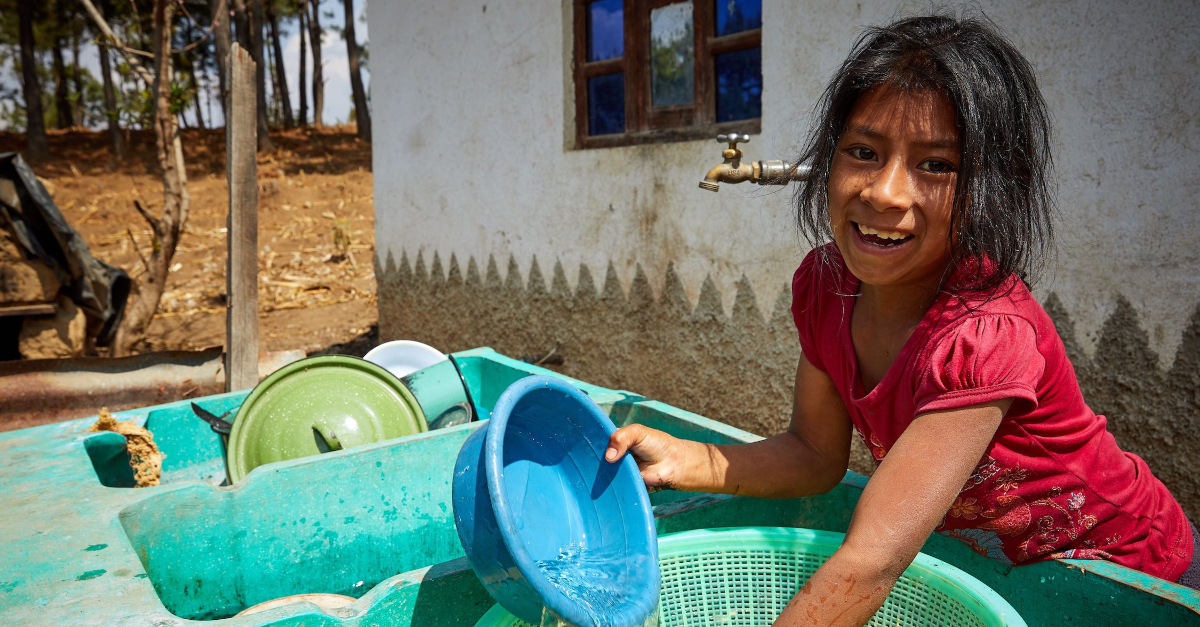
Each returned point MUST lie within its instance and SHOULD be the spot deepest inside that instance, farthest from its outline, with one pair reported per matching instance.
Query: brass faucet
(732, 170)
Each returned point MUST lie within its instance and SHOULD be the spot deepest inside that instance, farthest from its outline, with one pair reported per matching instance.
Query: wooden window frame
(643, 123)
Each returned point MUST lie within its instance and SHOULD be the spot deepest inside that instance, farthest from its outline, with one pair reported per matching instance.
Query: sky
(338, 97)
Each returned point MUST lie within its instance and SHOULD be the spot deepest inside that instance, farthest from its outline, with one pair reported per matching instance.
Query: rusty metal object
(40, 391)
(767, 172)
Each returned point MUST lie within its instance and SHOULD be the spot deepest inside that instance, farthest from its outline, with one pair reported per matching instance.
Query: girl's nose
(889, 188)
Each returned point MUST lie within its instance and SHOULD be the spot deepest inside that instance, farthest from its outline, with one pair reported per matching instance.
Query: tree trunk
(256, 29)
(222, 37)
(276, 112)
(77, 78)
(362, 113)
(302, 84)
(35, 125)
(206, 85)
(116, 138)
(168, 226)
(62, 99)
(318, 83)
(196, 90)
(242, 17)
(284, 98)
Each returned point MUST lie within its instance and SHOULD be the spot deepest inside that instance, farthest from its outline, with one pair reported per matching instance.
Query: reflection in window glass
(672, 51)
(739, 84)
(605, 30)
(735, 16)
(606, 104)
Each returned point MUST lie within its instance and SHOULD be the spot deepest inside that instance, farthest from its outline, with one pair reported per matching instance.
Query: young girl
(931, 177)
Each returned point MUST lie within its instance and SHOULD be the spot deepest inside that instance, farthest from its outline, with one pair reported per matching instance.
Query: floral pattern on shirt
(1082, 554)
(878, 451)
(983, 542)
(986, 469)
(1009, 479)
(1061, 525)
(1008, 516)
(967, 508)
(995, 520)
(996, 515)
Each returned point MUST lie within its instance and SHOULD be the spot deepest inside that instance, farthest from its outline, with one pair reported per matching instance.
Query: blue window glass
(739, 84)
(605, 30)
(735, 16)
(606, 104)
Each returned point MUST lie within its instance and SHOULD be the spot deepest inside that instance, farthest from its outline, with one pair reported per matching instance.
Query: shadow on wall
(739, 368)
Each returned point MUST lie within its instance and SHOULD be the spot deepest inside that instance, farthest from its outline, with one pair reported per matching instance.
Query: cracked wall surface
(738, 367)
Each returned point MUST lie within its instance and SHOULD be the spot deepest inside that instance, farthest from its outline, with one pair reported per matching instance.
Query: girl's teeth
(866, 230)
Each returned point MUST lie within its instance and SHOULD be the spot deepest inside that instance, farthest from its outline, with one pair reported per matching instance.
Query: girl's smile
(891, 187)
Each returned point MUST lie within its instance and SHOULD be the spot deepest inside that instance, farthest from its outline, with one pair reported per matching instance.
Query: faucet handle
(732, 139)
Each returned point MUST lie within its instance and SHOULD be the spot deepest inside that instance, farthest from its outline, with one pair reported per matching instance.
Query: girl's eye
(936, 166)
(862, 153)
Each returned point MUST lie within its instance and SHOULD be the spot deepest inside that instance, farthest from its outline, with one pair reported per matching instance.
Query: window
(666, 70)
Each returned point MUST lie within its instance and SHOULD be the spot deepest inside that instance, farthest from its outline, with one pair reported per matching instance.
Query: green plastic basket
(744, 577)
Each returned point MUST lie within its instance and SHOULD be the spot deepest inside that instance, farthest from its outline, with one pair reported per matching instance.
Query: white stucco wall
(470, 102)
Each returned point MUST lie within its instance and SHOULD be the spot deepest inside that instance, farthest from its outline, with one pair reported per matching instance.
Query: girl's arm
(903, 502)
(809, 458)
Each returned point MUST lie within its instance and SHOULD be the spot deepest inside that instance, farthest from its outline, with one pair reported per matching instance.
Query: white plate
(322, 600)
(404, 357)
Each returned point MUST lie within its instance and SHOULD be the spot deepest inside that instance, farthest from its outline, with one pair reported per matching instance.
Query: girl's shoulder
(822, 272)
(1011, 304)
(1004, 342)
(820, 303)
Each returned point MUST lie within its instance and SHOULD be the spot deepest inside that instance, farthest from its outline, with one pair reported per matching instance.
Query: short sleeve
(805, 307)
(985, 358)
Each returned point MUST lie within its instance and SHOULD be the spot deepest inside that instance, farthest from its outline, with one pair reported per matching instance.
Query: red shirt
(1053, 482)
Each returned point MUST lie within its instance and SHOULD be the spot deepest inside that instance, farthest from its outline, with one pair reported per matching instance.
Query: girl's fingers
(636, 439)
(622, 440)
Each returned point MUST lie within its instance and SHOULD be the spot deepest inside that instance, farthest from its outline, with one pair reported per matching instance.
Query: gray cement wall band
(739, 368)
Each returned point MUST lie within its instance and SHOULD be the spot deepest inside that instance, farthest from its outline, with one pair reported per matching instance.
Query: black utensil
(218, 424)
(221, 427)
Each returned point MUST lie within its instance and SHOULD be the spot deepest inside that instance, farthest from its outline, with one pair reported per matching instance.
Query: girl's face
(891, 187)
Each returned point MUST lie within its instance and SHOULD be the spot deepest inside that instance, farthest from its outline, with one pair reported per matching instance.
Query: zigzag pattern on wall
(641, 294)
(739, 367)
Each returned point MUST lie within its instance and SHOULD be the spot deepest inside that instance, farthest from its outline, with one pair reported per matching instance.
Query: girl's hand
(659, 456)
(809, 458)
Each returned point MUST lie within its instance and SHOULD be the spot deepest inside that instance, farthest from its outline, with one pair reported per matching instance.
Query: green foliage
(12, 115)
(90, 103)
(180, 98)
(64, 23)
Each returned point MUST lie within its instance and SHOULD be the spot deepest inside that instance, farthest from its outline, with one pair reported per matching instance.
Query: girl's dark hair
(1003, 200)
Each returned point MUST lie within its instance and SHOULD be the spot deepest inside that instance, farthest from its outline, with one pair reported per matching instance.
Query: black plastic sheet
(97, 288)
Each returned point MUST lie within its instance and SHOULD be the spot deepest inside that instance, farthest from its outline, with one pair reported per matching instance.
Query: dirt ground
(315, 233)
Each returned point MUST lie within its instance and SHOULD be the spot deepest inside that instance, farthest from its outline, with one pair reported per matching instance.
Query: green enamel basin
(318, 405)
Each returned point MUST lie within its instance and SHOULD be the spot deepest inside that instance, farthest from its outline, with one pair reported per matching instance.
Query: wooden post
(241, 282)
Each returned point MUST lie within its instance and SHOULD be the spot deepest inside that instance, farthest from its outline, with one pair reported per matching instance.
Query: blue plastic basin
(532, 483)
